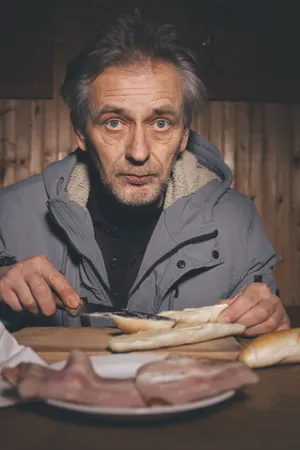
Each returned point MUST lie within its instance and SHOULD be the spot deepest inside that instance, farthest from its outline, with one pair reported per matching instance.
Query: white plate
(125, 366)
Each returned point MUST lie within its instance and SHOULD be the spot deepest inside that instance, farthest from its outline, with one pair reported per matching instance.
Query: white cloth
(11, 354)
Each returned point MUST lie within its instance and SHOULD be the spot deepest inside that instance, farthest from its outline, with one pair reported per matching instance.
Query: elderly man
(141, 215)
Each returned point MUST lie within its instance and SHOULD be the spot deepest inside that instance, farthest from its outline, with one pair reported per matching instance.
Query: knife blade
(98, 310)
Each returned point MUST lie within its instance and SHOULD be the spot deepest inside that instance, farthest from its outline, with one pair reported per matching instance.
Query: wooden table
(266, 416)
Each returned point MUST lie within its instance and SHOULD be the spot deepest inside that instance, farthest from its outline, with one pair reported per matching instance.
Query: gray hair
(128, 40)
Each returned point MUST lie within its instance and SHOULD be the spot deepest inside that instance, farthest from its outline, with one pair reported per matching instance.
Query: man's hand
(35, 285)
(258, 309)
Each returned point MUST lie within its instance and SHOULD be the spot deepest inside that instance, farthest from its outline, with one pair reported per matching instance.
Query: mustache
(136, 173)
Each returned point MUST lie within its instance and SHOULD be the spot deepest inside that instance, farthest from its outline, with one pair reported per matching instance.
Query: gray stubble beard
(157, 200)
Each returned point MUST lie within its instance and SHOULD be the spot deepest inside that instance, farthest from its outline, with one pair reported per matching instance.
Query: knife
(98, 310)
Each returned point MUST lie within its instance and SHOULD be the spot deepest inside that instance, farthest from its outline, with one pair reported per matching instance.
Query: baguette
(187, 317)
(195, 316)
(153, 339)
(279, 347)
(134, 324)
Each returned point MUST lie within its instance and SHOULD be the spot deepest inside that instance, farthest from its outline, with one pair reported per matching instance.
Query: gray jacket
(207, 245)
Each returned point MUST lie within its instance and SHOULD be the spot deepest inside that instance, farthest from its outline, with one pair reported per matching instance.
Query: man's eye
(113, 124)
(161, 125)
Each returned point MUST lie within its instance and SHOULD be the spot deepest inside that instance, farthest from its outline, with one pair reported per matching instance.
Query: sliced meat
(178, 380)
(77, 383)
(175, 380)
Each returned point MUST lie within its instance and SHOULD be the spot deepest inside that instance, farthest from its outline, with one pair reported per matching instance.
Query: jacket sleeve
(259, 256)
(13, 321)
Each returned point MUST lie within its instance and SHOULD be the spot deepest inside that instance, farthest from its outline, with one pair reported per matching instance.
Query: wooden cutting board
(54, 343)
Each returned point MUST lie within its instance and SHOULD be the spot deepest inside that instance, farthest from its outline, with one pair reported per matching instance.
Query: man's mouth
(139, 179)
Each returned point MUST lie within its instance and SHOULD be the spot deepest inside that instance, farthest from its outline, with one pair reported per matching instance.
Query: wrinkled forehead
(139, 87)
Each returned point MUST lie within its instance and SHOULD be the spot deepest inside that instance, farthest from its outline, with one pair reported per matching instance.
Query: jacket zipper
(64, 260)
(203, 238)
(89, 261)
(175, 294)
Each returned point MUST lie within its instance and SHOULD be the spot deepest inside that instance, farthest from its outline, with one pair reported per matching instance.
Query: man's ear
(80, 139)
(184, 140)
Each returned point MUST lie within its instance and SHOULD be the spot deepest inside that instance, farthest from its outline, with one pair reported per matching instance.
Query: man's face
(136, 129)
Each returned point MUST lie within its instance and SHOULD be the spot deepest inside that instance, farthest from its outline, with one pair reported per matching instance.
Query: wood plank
(63, 130)
(49, 132)
(270, 169)
(295, 225)
(23, 137)
(229, 134)
(54, 343)
(256, 184)
(62, 112)
(201, 123)
(10, 144)
(205, 122)
(36, 142)
(216, 125)
(65, 338)
(2, 143)
(243, 111)
(283, 202)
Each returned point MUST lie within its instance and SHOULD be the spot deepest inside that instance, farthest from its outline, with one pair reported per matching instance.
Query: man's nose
(138, 150)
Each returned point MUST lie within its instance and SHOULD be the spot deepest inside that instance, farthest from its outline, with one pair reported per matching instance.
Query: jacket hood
(209, 156)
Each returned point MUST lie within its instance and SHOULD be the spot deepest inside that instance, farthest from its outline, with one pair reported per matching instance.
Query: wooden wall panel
(283, 199)
(256, 179)
(23, 130)
(49, 132)
(36, 160)
(229, 134)
(260, 142)
(216, 126)
(242, 147)
(2, 143)
(294, 212)
(9, 161)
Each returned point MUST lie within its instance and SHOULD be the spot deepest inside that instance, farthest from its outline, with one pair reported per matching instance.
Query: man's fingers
(25, 297)
(258, 314)
(228, 301)
(61, 286)
(271, 324)
(10, 297)
(28, 284)
(241, 304)
(42, 294)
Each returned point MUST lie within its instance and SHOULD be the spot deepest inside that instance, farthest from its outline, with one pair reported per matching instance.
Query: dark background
(247, 50)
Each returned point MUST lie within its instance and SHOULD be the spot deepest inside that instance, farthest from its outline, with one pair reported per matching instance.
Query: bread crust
(186, 317)
(279, 347)
(153, 339)
(195, 316)
(131, 325)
